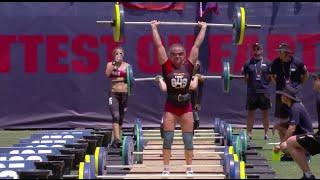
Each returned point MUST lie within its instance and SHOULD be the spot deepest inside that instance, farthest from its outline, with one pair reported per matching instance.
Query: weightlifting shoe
(165, 173)
(305, 177)
(189, 173)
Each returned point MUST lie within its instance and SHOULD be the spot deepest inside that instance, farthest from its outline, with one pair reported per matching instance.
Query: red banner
(155, 6)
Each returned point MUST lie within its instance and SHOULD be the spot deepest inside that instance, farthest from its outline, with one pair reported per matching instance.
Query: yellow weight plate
(242, 170)
(242, 25)
(87, 158)
(116, 26)
(81, 170)
(96, 158)
(235, 158)
(231, 151)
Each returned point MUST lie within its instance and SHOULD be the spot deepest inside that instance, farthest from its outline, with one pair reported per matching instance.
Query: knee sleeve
(167, 139)
(114, 109)
(188, 140)
(195, 116)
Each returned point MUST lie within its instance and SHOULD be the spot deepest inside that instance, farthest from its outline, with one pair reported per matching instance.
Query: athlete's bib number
(179, 82)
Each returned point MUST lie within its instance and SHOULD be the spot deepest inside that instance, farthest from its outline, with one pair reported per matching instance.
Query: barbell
(225, 76)
(238, 26)
(232, 168)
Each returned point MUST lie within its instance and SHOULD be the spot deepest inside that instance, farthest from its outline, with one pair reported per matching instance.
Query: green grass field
(284, 170)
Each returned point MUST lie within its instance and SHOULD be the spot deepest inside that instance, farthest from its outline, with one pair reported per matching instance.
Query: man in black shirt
(256, 72)
(286, 70)
(300, 145)
(299, 118)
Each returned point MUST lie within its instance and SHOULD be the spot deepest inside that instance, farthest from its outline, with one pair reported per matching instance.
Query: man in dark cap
(299, 119)
(257, 77)
(300, 145)
(286, 70)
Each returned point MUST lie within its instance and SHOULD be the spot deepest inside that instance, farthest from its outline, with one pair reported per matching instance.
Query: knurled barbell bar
(225, 76)
(238, 26)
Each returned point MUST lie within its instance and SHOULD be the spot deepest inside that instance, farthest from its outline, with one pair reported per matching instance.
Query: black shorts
(310, 142)
(281, 110)
(118, 106)
(258, 100)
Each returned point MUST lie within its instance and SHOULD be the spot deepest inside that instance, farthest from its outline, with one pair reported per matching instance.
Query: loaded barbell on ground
(227, 138)
(89, 170)
(235, 169)
(138, 138)
(226, 78)
(238, 26)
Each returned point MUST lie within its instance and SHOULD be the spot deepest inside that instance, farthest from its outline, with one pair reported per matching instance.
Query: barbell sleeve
(257, 26)
(232, 76)
(104, 22)
(145, 79)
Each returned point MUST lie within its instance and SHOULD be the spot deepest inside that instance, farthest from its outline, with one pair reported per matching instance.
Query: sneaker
(189, 173)
(286, 157)
(266, 137)
(165, 173)
(305, 177)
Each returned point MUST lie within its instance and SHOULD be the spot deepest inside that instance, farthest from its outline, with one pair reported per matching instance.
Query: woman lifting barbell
(177, 73)
(196, 86)
(118, 92)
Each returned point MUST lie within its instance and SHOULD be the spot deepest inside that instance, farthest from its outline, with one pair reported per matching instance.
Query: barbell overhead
(238, 26)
